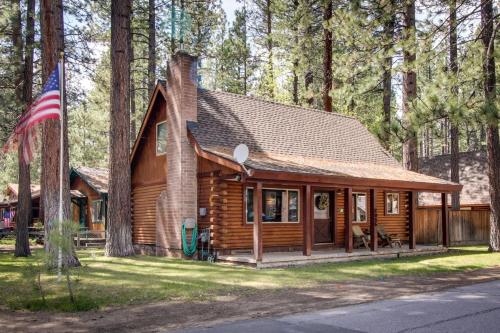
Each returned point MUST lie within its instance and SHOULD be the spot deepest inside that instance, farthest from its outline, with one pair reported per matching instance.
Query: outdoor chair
(386, 239)
(359, 237)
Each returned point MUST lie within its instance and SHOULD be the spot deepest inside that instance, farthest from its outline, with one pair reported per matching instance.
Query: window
(97, 211)
(161, 138)
(392, 203)
(278, 205)
(249, 201)
(359, 207)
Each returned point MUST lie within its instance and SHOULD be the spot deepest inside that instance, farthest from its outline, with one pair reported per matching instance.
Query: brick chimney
(178, 203)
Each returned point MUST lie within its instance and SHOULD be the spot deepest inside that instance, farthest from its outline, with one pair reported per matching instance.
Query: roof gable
(158, 91)
(473, 172)
(97, 178)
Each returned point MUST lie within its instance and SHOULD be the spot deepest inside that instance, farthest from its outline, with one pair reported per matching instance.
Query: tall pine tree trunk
(327, 56)
(131, 56)
(410, 158)
(23, 216)
(151, 47)
(389, 23)
(295, 64)
(24, 204)
(173, 18)
(269, 44)
(52, 25)
(119, 233)
(454, 133)
(308, 75)
(492, 139)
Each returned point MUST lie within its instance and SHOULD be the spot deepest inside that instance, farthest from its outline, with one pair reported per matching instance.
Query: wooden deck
(287, 259)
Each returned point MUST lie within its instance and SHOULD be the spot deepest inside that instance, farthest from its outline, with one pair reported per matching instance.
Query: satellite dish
(240, 153)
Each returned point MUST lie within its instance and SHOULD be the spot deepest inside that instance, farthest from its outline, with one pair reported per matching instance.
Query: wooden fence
(465, 226)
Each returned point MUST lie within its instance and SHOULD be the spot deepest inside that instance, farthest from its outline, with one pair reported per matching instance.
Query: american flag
(46, 106)
(8, 216)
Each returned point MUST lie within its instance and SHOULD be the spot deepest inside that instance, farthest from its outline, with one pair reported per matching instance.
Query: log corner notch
(348, 219)
(444, 219)
(307, 227)
(373, 220)
(412, 215)
(258, 247)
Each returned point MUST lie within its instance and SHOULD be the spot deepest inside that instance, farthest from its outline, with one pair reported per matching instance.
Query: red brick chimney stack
(178, 204)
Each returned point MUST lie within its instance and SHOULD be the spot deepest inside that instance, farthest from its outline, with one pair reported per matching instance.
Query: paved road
(474, 308)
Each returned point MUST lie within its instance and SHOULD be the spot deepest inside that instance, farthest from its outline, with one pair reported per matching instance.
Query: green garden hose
(189, 250)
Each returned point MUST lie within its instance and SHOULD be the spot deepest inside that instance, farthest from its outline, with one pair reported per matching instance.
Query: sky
(229, 7)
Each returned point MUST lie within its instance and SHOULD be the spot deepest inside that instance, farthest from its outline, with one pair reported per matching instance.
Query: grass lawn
(103, 281)
(11, 240)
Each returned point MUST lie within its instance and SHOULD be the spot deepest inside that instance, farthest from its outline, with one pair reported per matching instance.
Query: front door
(323, 217)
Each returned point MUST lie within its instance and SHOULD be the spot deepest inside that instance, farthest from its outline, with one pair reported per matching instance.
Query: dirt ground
(165, 316)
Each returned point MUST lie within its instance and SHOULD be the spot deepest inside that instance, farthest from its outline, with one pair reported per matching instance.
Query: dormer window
(161, 138)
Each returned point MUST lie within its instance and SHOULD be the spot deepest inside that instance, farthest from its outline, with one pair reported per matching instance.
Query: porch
(342, 212)
(297, 258)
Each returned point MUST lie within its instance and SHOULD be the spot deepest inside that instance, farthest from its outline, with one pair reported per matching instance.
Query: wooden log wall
(393, 224)
(226, 218)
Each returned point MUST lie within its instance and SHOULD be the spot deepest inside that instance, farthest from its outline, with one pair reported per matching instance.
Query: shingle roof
(225, 120)
(97, 178)
(294, 139)
(473, 167)
(14, 188)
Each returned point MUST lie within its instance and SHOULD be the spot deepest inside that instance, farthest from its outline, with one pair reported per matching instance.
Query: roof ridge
(261, 99)
(471, 152)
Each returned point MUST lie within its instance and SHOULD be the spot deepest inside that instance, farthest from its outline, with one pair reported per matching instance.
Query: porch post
(307, 226)
(257, 223)
(373, 220)
(412, 201)
(348, 219)
(444, 219)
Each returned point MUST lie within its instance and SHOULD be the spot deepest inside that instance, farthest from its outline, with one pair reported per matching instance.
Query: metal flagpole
(61, 161)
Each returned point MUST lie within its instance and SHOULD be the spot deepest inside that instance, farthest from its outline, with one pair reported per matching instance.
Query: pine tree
(410, 157)
(24, 204)
(52, 46)
(119, 231)
(454, 131)
(327, 56)
(262, 15)
(492, 133)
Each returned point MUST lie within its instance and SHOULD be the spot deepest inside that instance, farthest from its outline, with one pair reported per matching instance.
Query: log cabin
(89, 207)
(310, 175)
(8, 205)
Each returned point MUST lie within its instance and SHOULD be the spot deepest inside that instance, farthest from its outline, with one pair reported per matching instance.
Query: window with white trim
(161, 138)
(359, 207)
(278, 205)
(392, 203)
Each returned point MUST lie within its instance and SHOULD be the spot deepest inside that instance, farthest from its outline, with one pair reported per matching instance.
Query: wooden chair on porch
(359, 237)
(386, 239)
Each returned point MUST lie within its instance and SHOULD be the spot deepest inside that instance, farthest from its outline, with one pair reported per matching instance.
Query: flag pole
(61, 162)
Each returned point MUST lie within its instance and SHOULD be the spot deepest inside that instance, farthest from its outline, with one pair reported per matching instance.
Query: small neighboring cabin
(89, 209)
(311, 175)
(8, 205)
(89, 199)
(473, 172)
